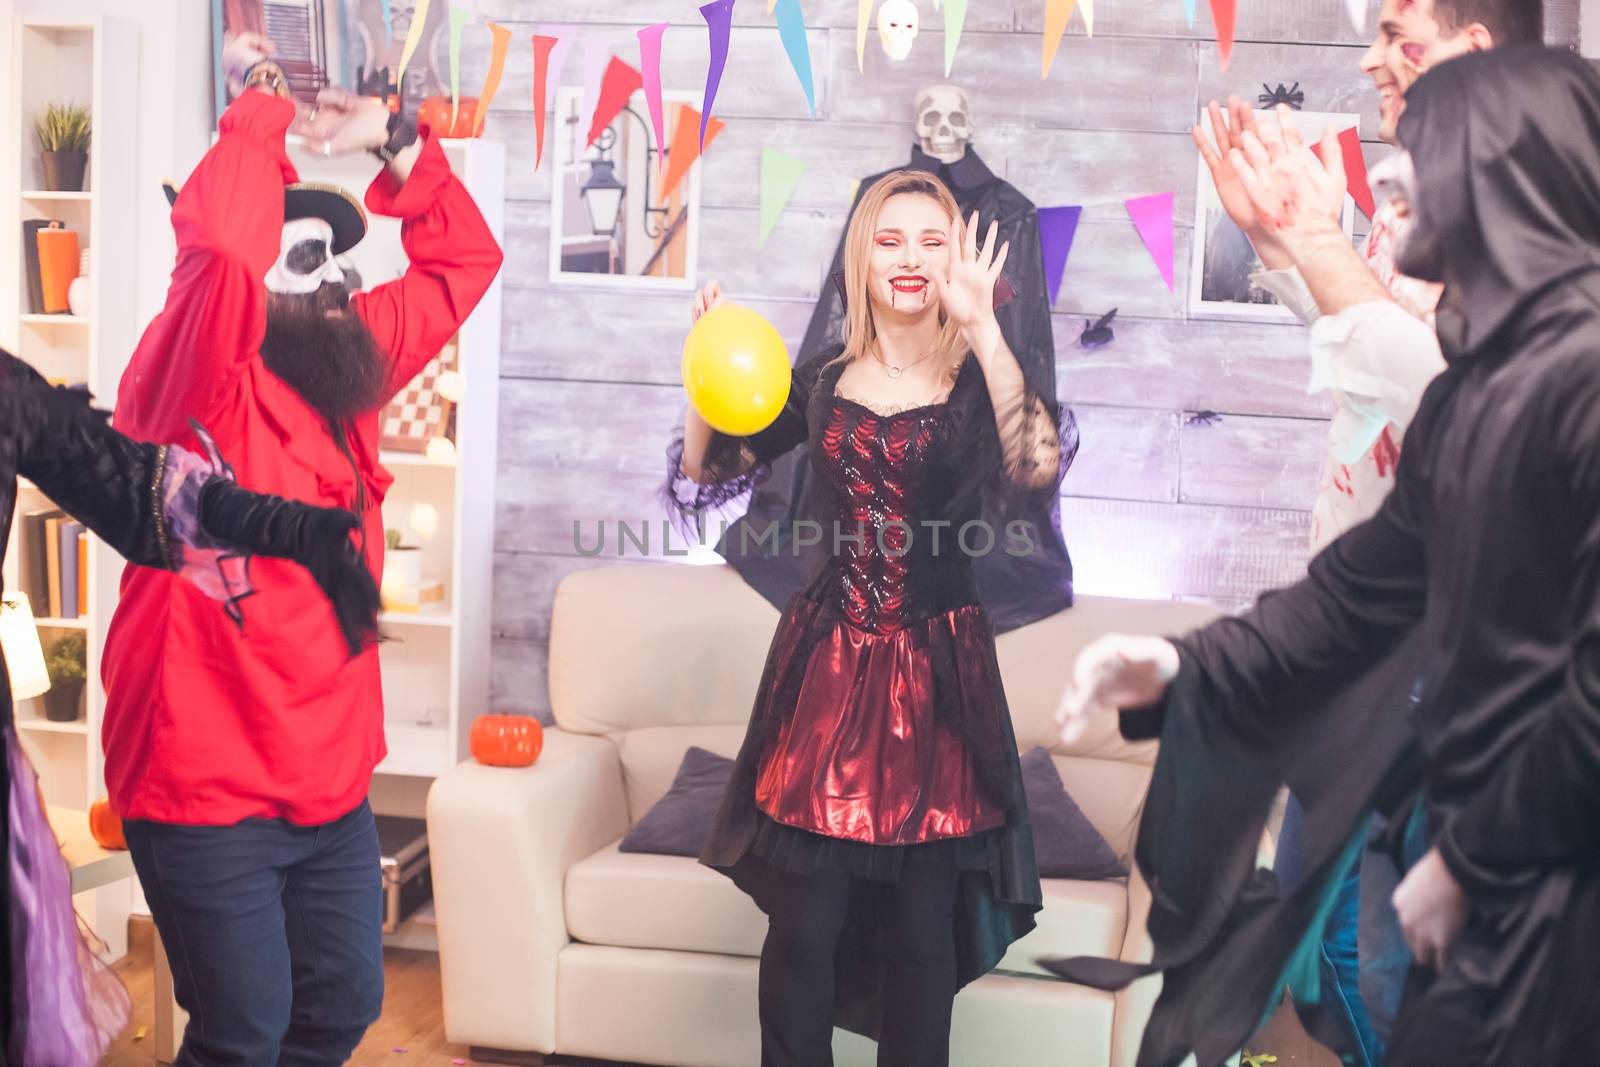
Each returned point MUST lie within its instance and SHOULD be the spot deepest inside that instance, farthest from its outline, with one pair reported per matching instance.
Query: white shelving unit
(91, 61)
(436, 661)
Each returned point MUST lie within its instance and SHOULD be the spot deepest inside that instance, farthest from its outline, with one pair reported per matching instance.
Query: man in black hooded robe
(1481, 572)
(1018, 587)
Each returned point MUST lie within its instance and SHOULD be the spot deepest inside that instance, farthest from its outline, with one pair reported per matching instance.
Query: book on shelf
(36, 556)
(83, 571)
(67, 576)
(52, 548)
(30, 251)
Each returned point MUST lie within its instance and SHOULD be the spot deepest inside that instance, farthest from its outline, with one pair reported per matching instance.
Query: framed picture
(344, 43)
(1222, 258)
(609, 224)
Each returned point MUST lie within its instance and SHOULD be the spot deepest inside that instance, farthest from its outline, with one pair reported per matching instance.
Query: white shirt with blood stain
(1376, 359)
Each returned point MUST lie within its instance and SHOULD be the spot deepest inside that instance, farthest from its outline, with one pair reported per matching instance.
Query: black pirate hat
(316, 200)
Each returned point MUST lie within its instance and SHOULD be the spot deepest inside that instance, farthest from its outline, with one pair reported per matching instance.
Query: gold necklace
(895, 370)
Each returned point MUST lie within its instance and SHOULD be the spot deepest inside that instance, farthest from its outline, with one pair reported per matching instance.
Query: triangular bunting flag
(388, 21)
(491, 80)
(1152, 216)
(1355, 170)
(1358, 14)
(1056, 15)
(686, 147)
(621, 82)
(1188, 12)
(1088, 16)
(1057, 227)
(650, 64)
(719, 23)
(779, 173)
(542, 47)
(792, 30)
(419, 19)
(855, 187)
(458, 19)
(863, 16)
(564, 34)
(596, 58)
(955, 19)
(1222, 13)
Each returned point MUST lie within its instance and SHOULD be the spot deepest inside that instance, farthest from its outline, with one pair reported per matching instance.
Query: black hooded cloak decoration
(1017, 588)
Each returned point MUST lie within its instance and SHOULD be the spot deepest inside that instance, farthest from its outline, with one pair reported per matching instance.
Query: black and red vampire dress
(880, 724)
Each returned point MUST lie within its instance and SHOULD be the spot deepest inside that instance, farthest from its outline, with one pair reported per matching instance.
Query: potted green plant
(63, 132)
(67, 662)
(402, 563)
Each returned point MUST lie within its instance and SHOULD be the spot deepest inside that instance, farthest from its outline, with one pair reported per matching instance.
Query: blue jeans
(274, 933)
(1341, 962)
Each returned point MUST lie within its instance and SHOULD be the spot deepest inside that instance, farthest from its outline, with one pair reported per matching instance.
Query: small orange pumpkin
(105, 826)
(434, 113)
(506, 740)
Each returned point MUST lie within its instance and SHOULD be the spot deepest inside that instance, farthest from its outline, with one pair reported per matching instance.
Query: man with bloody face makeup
(240, 759)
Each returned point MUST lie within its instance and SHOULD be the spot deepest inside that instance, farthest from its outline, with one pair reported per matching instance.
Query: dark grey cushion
(678, 823)
(1066, 844)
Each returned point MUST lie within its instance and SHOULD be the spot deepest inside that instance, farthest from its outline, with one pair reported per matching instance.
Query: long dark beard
(331, 360)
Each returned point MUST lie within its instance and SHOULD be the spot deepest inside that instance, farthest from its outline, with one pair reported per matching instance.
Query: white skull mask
(898, 23)
(944, 122)
(305, 259)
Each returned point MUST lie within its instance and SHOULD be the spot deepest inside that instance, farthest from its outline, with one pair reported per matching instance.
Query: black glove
(317, 538)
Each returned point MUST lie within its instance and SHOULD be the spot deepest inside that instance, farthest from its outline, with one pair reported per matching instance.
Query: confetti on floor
(138, 1035)
(398, 1051)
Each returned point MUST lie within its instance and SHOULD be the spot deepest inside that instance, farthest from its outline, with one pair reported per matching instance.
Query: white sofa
(552, 941)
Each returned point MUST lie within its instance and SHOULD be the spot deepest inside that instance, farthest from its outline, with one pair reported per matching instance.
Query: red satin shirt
(206, 724)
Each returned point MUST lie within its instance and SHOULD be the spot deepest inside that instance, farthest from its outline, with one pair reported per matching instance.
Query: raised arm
(453, 255)
(1036, 437)
(228, 219)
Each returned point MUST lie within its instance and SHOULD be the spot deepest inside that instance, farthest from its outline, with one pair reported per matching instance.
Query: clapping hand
(1229, 131)
(1297, 196)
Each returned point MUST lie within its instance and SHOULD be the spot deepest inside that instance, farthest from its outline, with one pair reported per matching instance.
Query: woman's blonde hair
(859, 329)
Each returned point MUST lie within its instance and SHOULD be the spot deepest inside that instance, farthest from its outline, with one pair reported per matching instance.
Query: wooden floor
(411, 1031)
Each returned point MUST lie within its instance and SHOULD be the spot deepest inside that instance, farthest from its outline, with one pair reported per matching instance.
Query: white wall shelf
(92, 62)
(57, 320)
(48, 195)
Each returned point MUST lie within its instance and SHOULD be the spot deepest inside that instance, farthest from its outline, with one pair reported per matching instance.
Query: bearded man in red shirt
(240, 757)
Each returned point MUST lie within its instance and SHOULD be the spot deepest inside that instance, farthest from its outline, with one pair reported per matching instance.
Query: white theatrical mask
(305, 259)
(898, 23)
(944, 122)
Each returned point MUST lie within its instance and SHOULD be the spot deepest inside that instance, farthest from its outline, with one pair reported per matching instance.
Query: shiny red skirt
(864, 756)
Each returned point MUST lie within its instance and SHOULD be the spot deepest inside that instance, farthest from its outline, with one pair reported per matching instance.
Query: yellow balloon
(736, 370)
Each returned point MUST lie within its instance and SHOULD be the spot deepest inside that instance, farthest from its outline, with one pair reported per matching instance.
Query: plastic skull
(944, 122)
(898, 22)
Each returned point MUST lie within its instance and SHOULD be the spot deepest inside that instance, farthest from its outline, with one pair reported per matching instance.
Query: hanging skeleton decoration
(898, 23)
(1270, 98)
(944, 122)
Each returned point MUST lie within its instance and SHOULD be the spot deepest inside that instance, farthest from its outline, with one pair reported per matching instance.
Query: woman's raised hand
(707, 298)
(968, 290)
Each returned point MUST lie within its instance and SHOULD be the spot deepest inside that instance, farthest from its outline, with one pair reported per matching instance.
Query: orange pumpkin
(435, 115)
(105, 826)
(506, 740)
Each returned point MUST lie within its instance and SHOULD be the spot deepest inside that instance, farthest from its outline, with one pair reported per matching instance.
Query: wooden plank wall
(1156, 506)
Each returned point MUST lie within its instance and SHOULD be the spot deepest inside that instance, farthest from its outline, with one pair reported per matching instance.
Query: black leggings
(805, 916)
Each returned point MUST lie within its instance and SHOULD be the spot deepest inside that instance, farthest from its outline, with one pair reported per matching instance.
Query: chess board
(418, 413)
